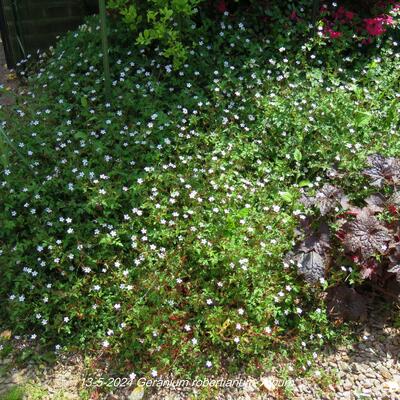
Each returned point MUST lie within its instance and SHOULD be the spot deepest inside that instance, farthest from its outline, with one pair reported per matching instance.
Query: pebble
(385, 372)
(348, 385)
(343, 366)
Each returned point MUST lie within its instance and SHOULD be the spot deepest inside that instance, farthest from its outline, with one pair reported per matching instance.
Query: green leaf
(304, 183)
(84, 102)
(363, 119)
(80, 135)
(297, 155)
(287, 196)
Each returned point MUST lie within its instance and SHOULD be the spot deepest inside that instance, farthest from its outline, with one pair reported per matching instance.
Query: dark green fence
(30, 25)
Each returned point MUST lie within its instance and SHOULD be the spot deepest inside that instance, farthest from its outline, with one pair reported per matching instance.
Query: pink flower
(334, 34)
(389, 20)
(375, 26)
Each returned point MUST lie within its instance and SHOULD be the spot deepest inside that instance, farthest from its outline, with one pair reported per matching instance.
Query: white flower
(132, 376)
(208, 364)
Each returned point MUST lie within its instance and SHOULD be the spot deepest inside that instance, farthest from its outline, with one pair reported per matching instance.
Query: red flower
(334, 34)
(339, 13)
(349, 15)
(343, 15)
(294, 16)
(355, 258)
(392, 209)
(221, 6)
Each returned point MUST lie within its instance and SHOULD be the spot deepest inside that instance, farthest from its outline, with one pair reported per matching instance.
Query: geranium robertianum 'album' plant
(151, 230)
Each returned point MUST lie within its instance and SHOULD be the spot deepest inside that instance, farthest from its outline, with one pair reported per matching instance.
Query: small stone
(342, 375)
(19, 377)
(370, 374)
(385, 372)
(347, 385)
(343, 366)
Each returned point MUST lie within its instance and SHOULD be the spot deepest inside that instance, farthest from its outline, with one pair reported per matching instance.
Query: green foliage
(152, 230)
(164, 21)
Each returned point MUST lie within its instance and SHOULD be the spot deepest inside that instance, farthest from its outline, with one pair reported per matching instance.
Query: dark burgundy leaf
(366, 235)
(395, 169)
(378, 169)
(346, 304)
(381, 169)
(311, 265)
(328, 197)
(396, 270)
(318, 241)
(307, 201)
(305, 226)
(394, 258)
(376, 202)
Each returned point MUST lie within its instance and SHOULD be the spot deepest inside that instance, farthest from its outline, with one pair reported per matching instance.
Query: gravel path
(369, 369)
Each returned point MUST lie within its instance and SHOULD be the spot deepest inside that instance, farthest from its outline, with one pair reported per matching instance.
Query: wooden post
(104, 43)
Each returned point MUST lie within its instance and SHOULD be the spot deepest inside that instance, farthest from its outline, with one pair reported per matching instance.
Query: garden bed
(150, 231)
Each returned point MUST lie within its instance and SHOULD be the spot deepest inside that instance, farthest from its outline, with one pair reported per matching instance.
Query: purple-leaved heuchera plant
(367, 237)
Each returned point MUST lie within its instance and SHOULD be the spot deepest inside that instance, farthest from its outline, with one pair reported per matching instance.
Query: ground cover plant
(152, 229)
